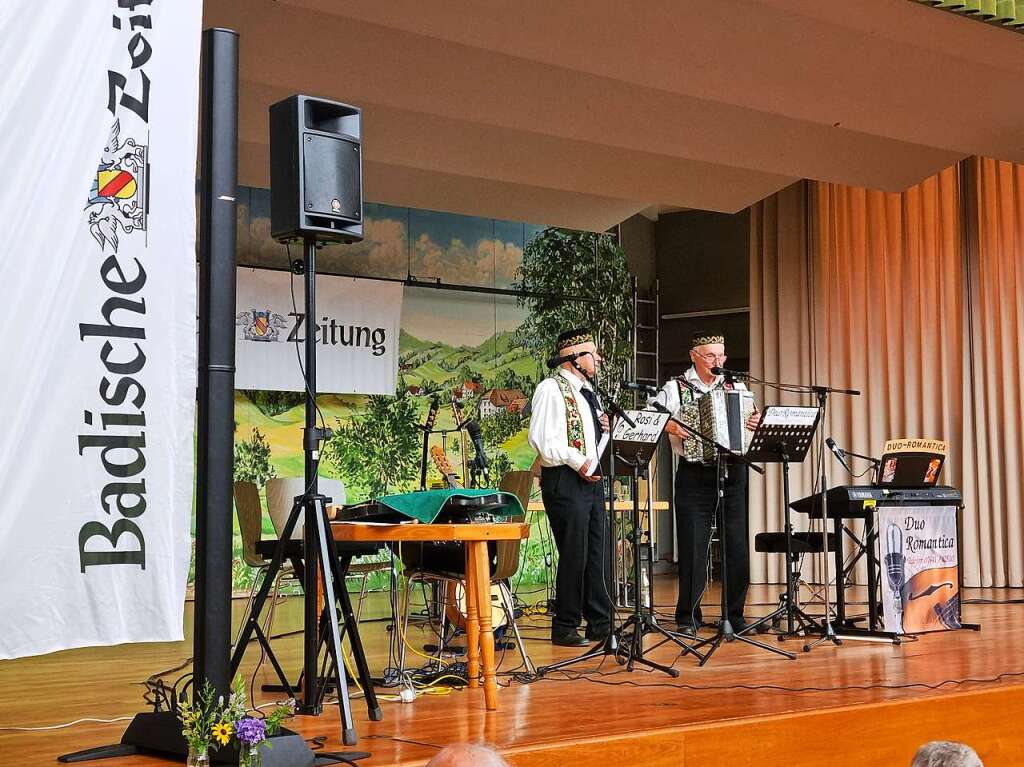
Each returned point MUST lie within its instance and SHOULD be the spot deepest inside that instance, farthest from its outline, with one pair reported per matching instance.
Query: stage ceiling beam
(699, 105)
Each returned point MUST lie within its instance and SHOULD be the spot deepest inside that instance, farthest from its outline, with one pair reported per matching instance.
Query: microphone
(717, 371)
(474, 434)
(642, 388)
(838, 453)
(894, 562)
(687, 384)
(558, 359)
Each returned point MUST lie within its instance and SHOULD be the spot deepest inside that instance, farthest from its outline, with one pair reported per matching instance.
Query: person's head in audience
(945, 753)
(467, 755)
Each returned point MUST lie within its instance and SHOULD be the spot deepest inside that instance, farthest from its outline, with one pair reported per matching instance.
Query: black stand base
(798, 622)
(631, 643)
(610, 646)
(159, 734)
(726, 634)
(828, 634)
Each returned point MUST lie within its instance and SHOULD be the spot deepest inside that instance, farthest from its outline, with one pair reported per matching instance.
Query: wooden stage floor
(859, 704)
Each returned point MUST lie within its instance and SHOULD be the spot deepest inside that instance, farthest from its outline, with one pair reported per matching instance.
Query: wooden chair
(250, 527)
(505, 564)
(281, 493)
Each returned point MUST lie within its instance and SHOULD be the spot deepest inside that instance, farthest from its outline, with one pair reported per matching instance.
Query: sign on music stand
(784, 436)
(635, 445)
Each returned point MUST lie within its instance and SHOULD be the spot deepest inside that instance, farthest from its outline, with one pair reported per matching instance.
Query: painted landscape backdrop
(453, 344)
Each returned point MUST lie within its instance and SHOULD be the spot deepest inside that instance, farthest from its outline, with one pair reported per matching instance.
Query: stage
(862, 703)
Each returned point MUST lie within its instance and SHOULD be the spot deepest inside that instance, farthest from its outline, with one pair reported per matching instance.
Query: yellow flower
(222, 732)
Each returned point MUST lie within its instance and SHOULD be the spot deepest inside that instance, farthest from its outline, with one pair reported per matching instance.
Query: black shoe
(687, 629)
(738, 627)
(568, 639)
(598, 633)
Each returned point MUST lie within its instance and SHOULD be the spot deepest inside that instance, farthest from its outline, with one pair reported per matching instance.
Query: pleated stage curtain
(780, 346)
(916, 299)
(994, 459)
(864, 290)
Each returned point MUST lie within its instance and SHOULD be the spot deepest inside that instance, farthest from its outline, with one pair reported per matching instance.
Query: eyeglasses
(712, 358)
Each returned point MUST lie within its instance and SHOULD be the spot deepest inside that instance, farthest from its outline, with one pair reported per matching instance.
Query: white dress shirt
(668, 397)
(548, 433)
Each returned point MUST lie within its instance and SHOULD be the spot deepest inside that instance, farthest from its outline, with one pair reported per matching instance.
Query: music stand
(724, 631)
(634, 447)
(784, 435)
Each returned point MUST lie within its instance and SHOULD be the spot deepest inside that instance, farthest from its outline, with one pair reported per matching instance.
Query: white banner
(920, 568)
(96, 460)
(356, 329)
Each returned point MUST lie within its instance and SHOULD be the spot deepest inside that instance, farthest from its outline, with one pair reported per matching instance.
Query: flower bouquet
(208, 721)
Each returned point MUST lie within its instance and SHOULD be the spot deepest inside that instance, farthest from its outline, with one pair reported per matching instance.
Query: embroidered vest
(573, 421)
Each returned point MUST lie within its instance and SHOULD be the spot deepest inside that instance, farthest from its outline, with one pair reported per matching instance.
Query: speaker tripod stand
(322, 560)
(319, 554)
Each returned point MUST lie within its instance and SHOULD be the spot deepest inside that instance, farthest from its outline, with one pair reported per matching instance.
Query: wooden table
(621, 507)
(479, 630)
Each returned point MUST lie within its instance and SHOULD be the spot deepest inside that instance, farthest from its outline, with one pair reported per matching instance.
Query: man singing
(565, 428)
(697, 491)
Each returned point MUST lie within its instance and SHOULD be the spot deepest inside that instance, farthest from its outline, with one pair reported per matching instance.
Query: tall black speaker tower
(316, 170)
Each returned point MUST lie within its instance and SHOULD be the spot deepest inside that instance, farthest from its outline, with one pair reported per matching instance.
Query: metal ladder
(645, 364)
(642, 367)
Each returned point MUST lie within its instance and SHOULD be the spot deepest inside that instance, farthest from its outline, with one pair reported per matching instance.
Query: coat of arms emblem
(118, 199)
(260, 324)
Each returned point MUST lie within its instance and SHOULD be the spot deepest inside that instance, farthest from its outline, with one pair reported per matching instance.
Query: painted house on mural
(498, 400)
(466, 389)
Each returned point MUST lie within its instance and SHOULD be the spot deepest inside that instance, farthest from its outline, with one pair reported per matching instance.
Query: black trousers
(577, 515)
(696, 495)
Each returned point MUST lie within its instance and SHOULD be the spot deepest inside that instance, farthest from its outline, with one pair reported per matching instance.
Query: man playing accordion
(696, 490)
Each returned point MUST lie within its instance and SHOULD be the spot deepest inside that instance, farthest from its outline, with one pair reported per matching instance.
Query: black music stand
(724, 630)
(634, 448)
(784, 436)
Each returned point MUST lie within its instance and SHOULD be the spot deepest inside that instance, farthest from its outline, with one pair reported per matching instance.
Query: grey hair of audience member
(467, 755)
(946, 753)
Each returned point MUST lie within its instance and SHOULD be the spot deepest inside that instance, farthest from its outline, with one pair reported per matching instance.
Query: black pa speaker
(316, 170)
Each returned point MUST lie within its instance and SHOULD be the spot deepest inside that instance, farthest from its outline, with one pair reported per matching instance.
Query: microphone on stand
(639, 387)
(473, 427)
(730, 375)
(558, 359)
(838, 453)
(688, 385)
(894, 562)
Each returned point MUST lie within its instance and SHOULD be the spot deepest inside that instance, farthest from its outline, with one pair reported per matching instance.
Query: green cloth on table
(425, 505)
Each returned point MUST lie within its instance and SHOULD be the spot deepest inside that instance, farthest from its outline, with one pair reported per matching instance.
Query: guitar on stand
(455, 593)
(444, 468)
(461, 425)
(428, 429)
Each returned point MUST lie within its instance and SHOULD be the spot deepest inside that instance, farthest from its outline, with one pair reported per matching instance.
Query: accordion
(721, 415)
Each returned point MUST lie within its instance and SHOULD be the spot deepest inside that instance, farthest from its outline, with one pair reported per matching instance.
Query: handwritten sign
(649, 426)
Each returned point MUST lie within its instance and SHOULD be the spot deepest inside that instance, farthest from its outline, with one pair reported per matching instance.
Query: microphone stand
(875, 462)
(610, 646)
(828, 633)
(724, 631)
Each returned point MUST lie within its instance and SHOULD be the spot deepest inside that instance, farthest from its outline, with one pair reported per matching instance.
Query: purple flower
(251, 730)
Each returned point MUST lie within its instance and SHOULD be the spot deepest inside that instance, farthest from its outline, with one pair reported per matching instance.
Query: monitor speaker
(316, 170)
